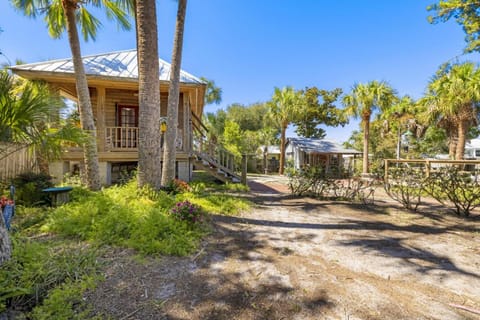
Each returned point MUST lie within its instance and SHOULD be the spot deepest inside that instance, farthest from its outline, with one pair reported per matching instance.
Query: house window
(477, 153)
(127, 121)
(127, 116)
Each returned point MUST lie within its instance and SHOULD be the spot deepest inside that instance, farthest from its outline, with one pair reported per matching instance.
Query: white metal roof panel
(310, 145)
(121, 64)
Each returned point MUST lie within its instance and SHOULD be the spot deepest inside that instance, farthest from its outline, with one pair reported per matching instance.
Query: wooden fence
(15, 159)
(430, 164)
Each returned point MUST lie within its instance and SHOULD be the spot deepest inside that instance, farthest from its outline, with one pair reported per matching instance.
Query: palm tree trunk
(84, 104)
(462, 135)
(5, 244)
(169, 151)
(366, 137)
(282, 148)
(149, 149)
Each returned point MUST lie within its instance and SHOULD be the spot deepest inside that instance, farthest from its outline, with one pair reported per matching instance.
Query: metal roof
(473, 144)
(310, 145)
(120, 64)
(271, 149)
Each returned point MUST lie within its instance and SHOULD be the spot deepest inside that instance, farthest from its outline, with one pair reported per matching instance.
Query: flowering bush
(185, 210)
(177, 186)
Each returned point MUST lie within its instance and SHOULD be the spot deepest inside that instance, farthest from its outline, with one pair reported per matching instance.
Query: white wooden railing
(121, 138)
(126, 139)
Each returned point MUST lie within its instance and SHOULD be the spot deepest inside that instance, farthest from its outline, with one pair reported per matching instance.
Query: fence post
(244, 169)
(386, 171)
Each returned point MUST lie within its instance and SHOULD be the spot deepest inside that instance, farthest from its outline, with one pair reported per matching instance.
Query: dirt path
(307, 259)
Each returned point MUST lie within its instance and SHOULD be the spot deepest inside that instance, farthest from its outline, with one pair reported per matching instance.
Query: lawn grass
(56, 250)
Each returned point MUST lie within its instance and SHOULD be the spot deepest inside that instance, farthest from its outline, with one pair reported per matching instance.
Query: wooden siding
(105, 103)
(15, 159)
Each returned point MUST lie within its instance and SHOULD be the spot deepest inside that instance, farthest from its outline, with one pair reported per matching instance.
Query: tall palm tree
(169, 151)
(400, 117)
(64, 15)
(363, 100)
(149, 149)
(284, 108)
(453, 99)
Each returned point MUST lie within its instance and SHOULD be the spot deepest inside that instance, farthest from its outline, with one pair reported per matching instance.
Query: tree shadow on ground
(423, 260)
(347, 224)
(233, 276)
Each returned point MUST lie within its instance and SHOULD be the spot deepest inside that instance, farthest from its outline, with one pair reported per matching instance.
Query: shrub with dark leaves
(187, 211)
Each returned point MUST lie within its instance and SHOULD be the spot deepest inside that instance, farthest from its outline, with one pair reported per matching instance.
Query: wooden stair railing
(216, 160)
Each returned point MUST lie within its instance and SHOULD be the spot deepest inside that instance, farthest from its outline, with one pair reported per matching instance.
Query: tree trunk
(282, 148)
(366, 137)
(84, 103)
(452, 147)
(149, 149)
(5, 244)
(462, 135)
(170, 150)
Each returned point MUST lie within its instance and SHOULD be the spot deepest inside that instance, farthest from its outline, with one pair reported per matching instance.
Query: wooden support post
(386, 171)
(100, 115)
(244, 169)
(427, 168)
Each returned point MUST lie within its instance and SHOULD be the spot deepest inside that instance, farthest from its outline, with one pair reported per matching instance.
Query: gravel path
(307, 259)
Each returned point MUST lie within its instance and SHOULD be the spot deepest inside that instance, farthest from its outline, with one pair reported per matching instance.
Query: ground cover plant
(56, 250)
(316, 182)
(404, 185)
(451, 186)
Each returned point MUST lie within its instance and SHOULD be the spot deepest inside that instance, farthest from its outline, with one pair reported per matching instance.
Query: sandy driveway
(307, 259)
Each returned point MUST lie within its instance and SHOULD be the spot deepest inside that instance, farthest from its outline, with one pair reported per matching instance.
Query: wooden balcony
(121, 138)
(126, 139)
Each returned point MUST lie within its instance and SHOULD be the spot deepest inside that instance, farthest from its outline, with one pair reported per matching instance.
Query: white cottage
(308, 152)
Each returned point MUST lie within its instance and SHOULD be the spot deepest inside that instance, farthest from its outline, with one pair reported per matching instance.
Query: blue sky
(248, 47)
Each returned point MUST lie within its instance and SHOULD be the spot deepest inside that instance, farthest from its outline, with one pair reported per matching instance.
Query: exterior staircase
(218, 162)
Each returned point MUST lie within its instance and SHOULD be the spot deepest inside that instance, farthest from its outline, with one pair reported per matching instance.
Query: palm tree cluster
(448, 112)
(65, 15)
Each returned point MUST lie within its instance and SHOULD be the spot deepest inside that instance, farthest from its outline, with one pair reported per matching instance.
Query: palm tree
(213, 93)
(29, 118)
(169, 151)
(63, 15)
(149, 149)
(453, 99)
(363, 100)
(284, 108)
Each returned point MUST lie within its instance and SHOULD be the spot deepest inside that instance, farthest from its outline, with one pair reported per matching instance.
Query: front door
(127, 121)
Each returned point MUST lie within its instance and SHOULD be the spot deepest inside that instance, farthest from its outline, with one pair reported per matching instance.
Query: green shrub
(65, 302)
(125, 216)
(176, 186)
(160, 233)
(404, 185)
(453, 186)
(36, 268)
(187, 211)
(29, 186)
(218, 203)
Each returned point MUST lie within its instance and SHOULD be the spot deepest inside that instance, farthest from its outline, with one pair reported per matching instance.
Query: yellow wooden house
(113, 83)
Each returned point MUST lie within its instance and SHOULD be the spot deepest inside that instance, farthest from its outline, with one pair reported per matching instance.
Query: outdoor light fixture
(163, 125)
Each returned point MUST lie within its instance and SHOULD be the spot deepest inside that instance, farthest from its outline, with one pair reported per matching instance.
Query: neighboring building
(307, 152)
(472, 149)
(270, 158)
(113, 83)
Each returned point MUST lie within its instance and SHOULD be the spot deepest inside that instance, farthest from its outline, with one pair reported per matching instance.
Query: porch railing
(121, 138)
(126, 139)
